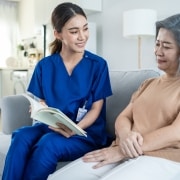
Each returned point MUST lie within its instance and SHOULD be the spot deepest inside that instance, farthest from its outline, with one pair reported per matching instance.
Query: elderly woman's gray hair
(172, 24)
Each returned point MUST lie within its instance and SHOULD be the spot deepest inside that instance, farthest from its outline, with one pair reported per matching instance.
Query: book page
(35, 105)
(51, 116)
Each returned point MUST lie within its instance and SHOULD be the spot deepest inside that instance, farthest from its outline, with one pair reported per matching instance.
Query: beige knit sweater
(156, 104)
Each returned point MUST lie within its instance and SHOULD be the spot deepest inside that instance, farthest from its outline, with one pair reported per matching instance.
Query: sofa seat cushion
(4, 146)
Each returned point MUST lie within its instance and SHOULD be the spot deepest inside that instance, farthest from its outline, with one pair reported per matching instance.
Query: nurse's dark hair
(172, 24)
(60, 15)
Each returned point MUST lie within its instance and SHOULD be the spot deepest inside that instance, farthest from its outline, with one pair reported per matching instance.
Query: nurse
(70, 78)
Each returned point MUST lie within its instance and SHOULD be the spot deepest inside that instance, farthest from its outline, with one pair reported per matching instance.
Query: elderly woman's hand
(130, 144)
(104, 156)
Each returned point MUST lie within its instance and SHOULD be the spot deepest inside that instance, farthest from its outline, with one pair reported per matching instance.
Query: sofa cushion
(123, 83)
(4, 145)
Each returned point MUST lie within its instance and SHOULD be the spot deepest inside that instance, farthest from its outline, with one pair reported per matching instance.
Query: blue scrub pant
(35, 151)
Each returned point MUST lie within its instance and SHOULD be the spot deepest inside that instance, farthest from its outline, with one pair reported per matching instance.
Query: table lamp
(139, 23)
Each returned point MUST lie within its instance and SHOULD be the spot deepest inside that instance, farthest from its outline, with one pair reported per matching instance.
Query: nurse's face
(74, 34)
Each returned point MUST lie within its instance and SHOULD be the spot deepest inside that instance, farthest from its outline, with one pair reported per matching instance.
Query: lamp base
(139, 52)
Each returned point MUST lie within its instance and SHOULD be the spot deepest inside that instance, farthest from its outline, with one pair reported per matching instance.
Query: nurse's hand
(62, 129)
(41, 102)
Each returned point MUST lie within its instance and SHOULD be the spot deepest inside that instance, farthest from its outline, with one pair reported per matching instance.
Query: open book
(51, 116)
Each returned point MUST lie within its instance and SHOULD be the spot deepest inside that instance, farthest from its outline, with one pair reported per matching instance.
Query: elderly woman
(147, 144)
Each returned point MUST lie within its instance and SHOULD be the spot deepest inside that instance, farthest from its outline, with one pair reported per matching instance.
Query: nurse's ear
(57, 35)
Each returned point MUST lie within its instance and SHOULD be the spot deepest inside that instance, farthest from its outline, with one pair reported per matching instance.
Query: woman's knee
(45, 147)
(25, 136)
(19, 135)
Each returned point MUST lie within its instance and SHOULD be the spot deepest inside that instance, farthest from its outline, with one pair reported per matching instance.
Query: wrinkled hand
(104, 156)
(62, 129)
(131, 144)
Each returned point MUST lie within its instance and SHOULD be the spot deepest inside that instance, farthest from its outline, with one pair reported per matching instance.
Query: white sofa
(15, 108)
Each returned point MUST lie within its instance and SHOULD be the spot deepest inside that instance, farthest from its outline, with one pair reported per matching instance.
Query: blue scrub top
(89, 82)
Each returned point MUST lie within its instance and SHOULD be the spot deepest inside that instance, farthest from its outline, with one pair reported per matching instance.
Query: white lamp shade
(139, 22)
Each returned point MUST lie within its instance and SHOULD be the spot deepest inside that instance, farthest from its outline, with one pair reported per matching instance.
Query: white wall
(26, 18)
(36, 13)
(121, 53)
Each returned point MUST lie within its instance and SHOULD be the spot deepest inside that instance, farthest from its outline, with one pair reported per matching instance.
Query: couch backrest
(123, 83)
(15, 108)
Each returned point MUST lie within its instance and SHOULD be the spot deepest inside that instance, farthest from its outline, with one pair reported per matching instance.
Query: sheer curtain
(8, 30)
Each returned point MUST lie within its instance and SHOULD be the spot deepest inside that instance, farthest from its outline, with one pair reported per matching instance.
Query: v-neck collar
(74, 68)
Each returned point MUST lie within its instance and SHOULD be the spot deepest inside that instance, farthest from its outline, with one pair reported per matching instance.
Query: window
(8, 30)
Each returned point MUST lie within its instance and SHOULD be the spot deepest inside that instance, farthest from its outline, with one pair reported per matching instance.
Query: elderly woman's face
(167, 52)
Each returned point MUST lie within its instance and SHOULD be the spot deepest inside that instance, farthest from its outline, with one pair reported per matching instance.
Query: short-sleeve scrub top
(88, 82)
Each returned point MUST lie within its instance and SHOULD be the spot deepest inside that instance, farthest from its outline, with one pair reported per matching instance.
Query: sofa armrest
(14, 113)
